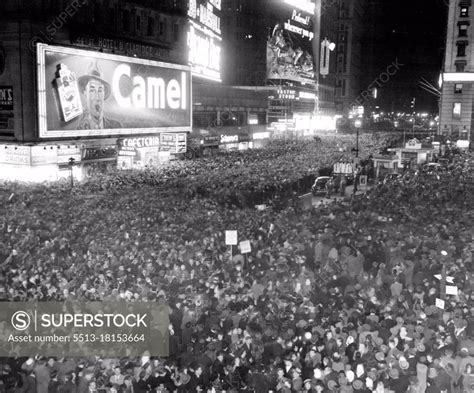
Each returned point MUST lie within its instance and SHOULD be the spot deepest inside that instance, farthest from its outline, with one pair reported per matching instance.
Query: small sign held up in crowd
(439, 303)
(231, 238)
(449, 279)
(245, 247)
(451, 290)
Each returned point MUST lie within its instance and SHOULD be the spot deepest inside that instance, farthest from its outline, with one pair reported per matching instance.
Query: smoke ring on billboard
(142, 70)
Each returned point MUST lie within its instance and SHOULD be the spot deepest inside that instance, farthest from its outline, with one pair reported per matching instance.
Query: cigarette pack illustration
(68, 93)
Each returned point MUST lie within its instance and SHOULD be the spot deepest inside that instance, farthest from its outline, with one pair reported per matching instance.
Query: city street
(157, 233)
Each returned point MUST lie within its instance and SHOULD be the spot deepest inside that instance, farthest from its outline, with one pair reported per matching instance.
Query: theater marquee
(83, 93)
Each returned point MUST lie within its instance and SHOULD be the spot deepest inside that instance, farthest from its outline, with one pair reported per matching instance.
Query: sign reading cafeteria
(85, 93)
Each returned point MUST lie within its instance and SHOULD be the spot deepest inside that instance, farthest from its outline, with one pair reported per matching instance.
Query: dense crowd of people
(246, 178)
(349, 297)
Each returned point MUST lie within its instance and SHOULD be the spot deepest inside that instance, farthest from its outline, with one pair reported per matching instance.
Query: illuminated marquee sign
(307, 96)
(229, 139)
(118, 95)
(286, 94)
(149, 141)
(204, 38)
(297, 17)
(173, 143)
(205, 14)
(204, 53)
(299, 30)
(304, 5)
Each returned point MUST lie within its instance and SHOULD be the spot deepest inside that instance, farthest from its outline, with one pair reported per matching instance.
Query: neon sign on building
(204, 38)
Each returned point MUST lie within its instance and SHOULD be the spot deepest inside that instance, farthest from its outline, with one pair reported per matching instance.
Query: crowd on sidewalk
(344, 298)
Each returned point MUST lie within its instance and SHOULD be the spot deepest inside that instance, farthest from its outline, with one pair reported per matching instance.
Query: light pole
(357, 124)
(316, 19)
(71, 174)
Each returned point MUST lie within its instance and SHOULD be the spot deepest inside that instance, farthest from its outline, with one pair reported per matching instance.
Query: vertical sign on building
(204, 38)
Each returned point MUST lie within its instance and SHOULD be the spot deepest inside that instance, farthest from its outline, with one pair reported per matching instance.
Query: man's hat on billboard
(94, 73)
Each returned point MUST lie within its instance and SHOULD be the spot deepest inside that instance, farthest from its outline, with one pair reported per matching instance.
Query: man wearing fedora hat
(95, 90)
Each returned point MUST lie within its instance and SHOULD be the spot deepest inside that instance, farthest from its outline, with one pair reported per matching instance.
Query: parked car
(391, 177)
(319, 186)
(433, 167)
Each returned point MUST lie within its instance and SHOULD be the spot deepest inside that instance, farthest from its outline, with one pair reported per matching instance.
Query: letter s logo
(21, 320)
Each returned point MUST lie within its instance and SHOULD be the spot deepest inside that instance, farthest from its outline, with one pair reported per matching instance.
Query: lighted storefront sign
(229, 139)
(204, 53)
(19, 155)
(210, 140)
(84, 93)
(306, 96)
(99, 153)
(204, 13)
(286, 94)
(299, 30)
(304, 5)
(173, 143)
(303, 19)
(261, 135)
(149, 141)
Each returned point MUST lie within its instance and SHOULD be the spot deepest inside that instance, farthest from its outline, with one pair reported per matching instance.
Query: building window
(456, 110)
(458, 88)
(111, 23)
(176, 32)
(151, 27)
(464, 11)
(162, 28)
(138, 23)
(461, 49)
(125, 20)
(460, 66)
(343, 88)
(462, 30)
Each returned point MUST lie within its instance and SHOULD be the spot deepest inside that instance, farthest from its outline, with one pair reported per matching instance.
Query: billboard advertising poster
(289, 47)
(83, 94)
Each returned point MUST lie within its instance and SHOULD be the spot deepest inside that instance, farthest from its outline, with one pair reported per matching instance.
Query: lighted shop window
(456, 110)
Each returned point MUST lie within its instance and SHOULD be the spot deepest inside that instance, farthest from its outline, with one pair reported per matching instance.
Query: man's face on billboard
(94, 97)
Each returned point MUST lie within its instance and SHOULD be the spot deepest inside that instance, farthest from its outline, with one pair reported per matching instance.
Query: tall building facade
(349, 53)
(456, 104)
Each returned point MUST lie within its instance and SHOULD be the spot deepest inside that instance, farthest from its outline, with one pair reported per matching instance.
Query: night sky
(414, 32)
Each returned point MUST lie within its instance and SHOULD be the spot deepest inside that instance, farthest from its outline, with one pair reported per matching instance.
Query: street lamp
(71, 163)
(357, 124)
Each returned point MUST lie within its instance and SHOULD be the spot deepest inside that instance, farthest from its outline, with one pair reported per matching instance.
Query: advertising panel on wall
(204, 38)
(289, 44)
(173, 143)
(83, 94)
